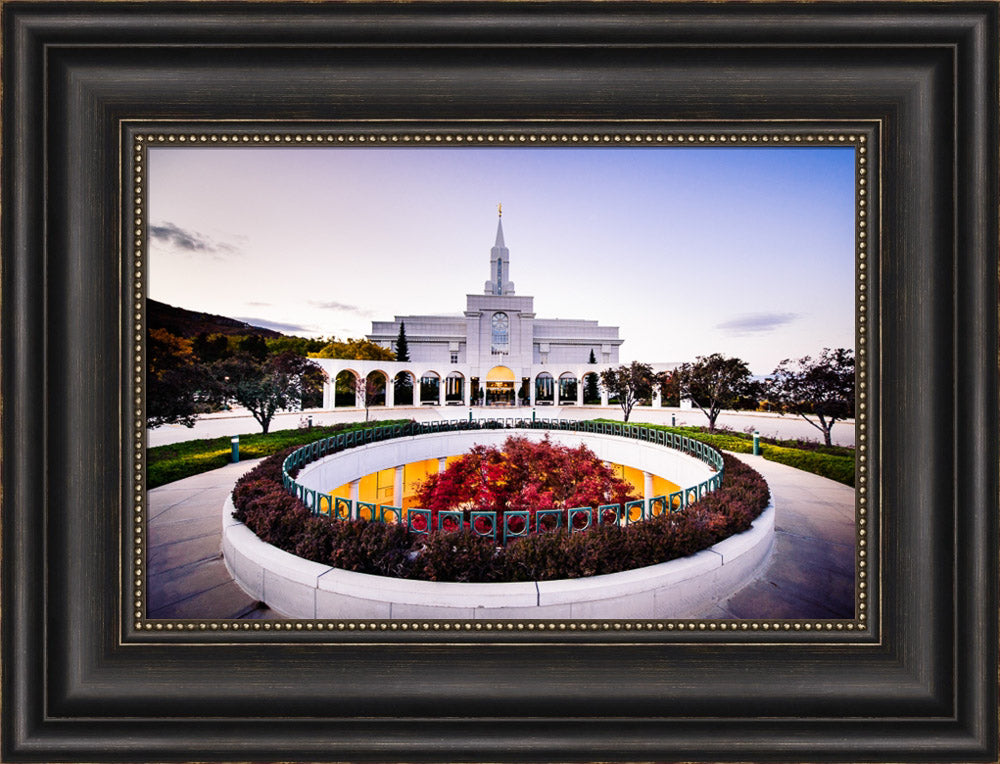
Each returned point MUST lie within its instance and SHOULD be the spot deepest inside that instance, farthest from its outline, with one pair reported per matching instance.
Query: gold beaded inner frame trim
(138, 137)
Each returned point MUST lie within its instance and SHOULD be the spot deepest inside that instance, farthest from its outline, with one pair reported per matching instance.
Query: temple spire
(499, 282)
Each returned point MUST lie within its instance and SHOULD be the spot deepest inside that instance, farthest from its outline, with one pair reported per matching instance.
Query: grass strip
(175, 461)
(833, 462)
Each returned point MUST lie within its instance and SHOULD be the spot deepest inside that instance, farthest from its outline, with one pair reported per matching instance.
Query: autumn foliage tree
(355, 349)
(821, 387)
(526, 475)
(176, 384)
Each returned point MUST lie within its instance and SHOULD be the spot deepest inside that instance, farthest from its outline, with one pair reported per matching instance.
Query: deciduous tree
(368, 389)
(264, 388)
(176, 384)
(629, 383)
(523, 474)
(713, 383)
(822, 388)
(355, 349)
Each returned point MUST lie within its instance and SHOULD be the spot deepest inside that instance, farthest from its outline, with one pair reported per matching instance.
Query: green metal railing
(511, 523)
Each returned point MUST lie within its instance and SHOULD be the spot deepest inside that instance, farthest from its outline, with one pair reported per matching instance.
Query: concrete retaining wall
(681, 588)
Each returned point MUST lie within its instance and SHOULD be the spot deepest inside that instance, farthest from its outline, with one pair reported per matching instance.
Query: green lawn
(166, 464)
(834, 462)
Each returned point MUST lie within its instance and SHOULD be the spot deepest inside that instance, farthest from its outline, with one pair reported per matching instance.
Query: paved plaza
(237, 423)
(810, 574)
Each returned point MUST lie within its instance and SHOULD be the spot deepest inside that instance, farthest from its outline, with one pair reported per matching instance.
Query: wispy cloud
(275, 325)
(191, 242)
(343, 307)
(259, 304)
(756, 323)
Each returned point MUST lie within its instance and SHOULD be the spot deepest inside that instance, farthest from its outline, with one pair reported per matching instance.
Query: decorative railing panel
(512, 523)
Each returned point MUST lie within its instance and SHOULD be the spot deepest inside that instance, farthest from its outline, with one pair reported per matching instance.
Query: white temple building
(496, 353)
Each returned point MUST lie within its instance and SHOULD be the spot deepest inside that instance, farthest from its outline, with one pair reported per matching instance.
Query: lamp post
(236, 448)
(756, 443)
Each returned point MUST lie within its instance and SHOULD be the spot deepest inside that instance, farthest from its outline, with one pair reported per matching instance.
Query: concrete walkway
(810, 574)
(811, 570)
(238, 423)
(186, 575)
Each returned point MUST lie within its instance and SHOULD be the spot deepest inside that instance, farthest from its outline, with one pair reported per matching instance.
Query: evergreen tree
(590, 392)
(402, 348)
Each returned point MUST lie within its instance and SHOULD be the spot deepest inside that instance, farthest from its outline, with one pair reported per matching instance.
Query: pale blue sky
(690, 251)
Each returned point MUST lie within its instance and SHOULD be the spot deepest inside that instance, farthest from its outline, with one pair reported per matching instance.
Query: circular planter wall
(681, 588)
(345, 466)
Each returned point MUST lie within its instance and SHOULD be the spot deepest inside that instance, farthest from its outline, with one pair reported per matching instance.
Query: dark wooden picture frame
(79, 683)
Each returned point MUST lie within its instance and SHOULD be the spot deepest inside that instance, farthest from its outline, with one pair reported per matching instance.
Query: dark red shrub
(375, 548)
(460, 556)
(317, 540)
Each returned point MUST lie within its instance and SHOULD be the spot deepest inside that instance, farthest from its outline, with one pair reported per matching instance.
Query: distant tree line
(188, 377)
(209, 372)
(820, 390)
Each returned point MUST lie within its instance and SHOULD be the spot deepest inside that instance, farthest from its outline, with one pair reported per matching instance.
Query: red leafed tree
(523, 474)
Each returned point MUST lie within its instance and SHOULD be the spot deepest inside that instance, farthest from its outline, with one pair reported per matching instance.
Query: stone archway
(500, 387)
(345, 389)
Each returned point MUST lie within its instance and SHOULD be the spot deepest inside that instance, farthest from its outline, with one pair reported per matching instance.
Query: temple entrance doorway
(500, 387)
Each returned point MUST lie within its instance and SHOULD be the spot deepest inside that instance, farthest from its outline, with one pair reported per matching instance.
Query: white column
(397, 487)
(416, 390)
(657, 401)
(604, 397)
(442, 385)
(354, 498)
(579, 391)
(531, 390)
(647, 486)
(467, 391)
(442, 463)
(357, 398)
(328, 395)
(390, 393)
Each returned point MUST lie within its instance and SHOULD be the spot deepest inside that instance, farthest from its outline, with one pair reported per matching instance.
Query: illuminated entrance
(500, 387)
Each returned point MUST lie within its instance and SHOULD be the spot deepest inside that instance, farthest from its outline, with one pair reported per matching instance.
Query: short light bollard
(756, 443)
(236, 448)
(470, 413)
(532, 415)
(673, 420)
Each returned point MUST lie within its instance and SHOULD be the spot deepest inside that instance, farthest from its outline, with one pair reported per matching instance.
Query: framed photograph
(157, 156)
(390, 435)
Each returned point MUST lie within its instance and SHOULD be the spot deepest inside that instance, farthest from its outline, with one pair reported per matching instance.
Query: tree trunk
(826, 435)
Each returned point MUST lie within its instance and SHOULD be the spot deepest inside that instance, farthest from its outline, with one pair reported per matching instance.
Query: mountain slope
(189, 323)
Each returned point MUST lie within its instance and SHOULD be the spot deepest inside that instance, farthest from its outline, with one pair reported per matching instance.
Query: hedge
(391, 550)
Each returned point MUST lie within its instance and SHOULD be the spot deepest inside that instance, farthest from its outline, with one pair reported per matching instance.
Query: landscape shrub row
(833, 462)
(165, 464)
(390, 549)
